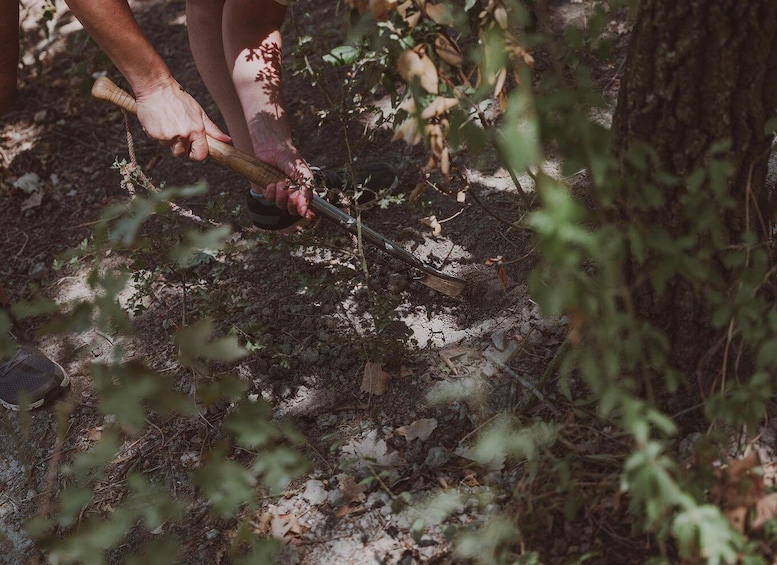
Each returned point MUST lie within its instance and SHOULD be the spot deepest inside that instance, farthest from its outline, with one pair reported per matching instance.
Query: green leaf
(705, 529)
(252, 425)
(342, 55)
(279, 466)
(197, 243)
(227, 484)
(770, 127)
(162, 550)
(195, 342)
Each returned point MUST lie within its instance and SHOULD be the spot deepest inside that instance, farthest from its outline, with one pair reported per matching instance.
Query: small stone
(396, 283)
(309, 356)
(437, 457)
(38, 271)
(315, 493)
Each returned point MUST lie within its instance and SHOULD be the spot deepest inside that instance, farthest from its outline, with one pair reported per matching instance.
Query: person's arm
(9, 51)
(166, 111)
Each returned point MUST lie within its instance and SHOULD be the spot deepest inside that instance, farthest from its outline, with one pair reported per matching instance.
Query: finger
(297, 203)
(180, 148)
(281, 195)
(199, 148)
(213, 130)
(269, 192)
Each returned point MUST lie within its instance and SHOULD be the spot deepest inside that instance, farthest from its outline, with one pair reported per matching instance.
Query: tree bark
(698, 72)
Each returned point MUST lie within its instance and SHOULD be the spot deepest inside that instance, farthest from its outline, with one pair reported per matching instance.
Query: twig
(533, 389)
(46, 504)
(26, 239)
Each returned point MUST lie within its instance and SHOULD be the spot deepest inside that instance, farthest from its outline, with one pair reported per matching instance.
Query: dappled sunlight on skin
(269, 56)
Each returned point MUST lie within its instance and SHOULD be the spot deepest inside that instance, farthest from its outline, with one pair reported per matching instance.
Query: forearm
(114, 28)
(9, 51)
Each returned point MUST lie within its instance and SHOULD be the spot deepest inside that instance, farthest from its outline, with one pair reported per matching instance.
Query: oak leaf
(375, 380)
(420, 429)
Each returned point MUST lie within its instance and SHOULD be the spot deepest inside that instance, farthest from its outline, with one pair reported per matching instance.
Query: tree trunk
(698, 73)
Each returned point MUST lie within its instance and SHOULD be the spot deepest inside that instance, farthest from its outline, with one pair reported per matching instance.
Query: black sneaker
(339, 190)
(30, 379)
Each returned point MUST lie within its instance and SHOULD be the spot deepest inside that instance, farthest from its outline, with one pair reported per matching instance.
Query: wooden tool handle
(243, 164)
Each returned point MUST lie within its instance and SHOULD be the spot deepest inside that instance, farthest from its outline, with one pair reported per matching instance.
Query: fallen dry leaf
(500, 15)
(408, 132)
(503, 278)
(409, 13)
(415, 64)
(448, 51)
(286, 526)
(33, 201)
(262, 524)
(471, 480)
(438, 107)
(450, 353)
(739, 483)
(345, 510)
(501, 77)
(352, 492)
(420, 429)
(375, 380)
(416, 193)
(440, 14)
(432, 222)
(445, 162)
(765, 509)
(381, 9)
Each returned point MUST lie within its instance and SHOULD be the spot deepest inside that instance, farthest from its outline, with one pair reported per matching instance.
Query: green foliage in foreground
(613, 374)
(616, 371)
(132, 394)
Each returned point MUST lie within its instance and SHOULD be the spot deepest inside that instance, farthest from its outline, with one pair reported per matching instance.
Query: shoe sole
(53, 394)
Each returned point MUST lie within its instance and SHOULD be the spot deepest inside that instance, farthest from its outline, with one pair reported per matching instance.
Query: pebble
(437, 457)
(315, 493)
(38, 271)
(308, 356)
(378, 499)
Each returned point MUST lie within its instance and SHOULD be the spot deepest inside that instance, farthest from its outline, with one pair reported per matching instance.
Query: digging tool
(263, 174)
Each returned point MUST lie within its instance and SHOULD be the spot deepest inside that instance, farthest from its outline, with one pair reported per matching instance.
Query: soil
(301, 298)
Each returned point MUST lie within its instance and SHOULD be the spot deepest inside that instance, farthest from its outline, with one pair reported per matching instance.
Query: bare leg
(240, 63)
(204, 23)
